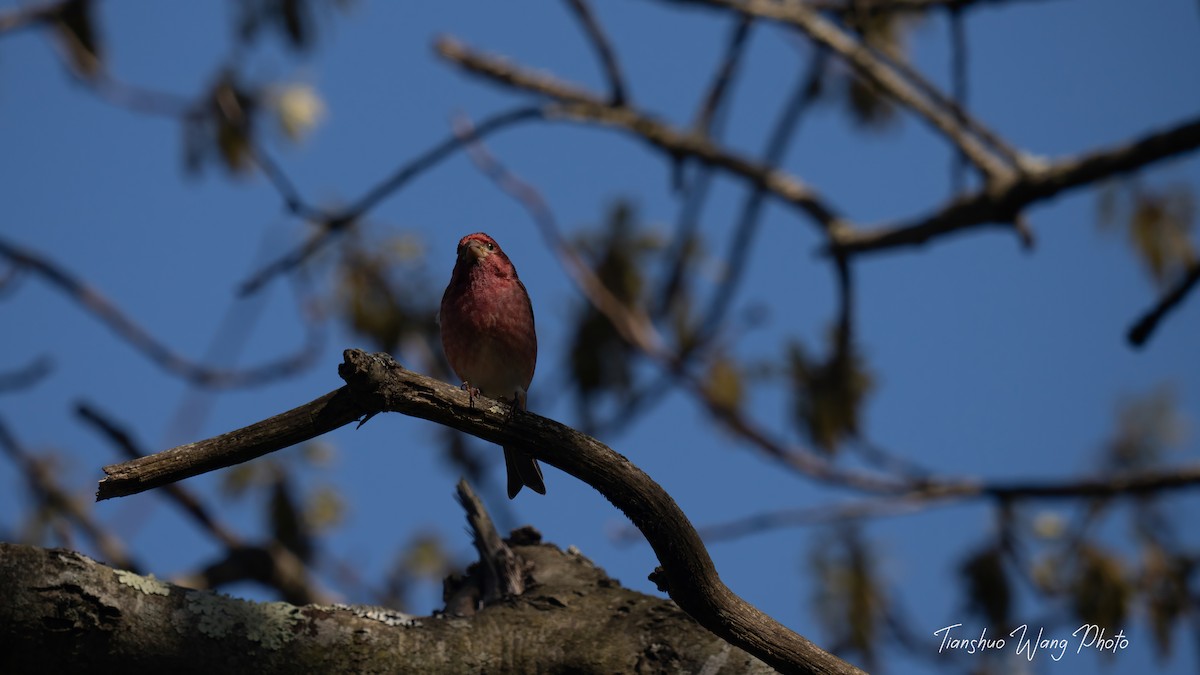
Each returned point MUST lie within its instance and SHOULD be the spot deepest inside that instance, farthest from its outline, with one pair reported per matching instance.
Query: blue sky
(990, 361)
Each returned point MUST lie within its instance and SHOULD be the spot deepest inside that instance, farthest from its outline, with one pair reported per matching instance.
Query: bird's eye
(491, 246)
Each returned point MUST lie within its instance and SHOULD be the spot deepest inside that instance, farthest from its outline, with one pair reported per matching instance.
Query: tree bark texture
(63, 612)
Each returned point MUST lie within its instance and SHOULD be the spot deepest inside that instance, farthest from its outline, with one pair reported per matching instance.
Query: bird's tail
(523, 471)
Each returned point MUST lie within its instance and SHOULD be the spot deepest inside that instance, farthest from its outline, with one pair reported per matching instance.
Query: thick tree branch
(63, 612)
(1002, 204)
(375, 382)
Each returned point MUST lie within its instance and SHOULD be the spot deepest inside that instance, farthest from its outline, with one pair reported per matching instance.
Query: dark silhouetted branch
(1141, 331)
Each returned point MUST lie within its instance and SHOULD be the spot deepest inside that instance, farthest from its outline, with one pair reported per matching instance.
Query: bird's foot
(472, 392)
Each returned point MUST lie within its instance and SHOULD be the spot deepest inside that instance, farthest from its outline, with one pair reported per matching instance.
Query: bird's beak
(474, 249)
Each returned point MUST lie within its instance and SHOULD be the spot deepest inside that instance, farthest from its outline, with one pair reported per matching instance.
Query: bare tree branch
(1126, 485)
(180, 495)
(608, 58)
(26, 376)
(1001, 204)
(881, 72)
(43, 484)
(1144, 327)
(29, 16)
(900, 6)
(335, 224)
(377, 383)
(578, 105)
(721, 81)
(632, 323)
(109, 314)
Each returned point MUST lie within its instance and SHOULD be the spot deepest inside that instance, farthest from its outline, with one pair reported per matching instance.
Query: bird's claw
(472, 392)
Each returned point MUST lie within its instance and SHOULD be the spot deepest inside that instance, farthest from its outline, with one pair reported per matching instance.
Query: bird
(489, 339)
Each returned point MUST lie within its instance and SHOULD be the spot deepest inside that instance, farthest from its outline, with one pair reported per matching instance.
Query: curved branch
(375, 383)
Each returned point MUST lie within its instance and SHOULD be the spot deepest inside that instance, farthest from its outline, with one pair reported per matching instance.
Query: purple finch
(489, 340)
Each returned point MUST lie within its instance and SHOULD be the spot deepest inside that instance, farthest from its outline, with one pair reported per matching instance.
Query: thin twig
(876, 69)
(42, 483)
(633, 324)
(1144, 327)
(190, 504)
(735, 48)
(577, 105)
(335, 224)
(109, 314)
(936, 494)
(708, 122)
(29, 17)
(26, 376)
(804, 94)
(604, 51)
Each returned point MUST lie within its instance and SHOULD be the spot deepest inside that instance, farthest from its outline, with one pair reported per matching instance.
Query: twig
(45, 489)
(108, 313)
(184, 498)
(898, 6)
(996, 206)
(633, 324)
(334, 224)
(331, 411)
(29, 17)
(604, 51)
(1144, 327)
(376, 383)
(938, 494)
(958, 90)
(877, 69)
(503, 570)
(26, 376)
(803, 96)
(574, 104)
(734, 50)
(707, 122)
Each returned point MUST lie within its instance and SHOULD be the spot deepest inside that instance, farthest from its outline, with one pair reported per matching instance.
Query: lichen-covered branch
(63, 612)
